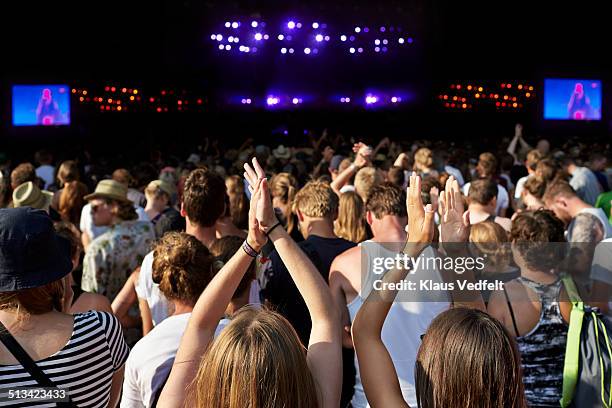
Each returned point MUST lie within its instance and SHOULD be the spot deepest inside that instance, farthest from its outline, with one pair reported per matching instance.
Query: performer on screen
(47, 112)
(579, 106)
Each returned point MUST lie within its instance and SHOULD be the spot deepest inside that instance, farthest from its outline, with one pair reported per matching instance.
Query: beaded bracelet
(249, 249)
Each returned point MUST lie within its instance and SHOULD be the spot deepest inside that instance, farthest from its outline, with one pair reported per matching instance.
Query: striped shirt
(85, 365)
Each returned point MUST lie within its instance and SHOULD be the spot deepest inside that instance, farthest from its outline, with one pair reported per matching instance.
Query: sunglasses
(96, 207)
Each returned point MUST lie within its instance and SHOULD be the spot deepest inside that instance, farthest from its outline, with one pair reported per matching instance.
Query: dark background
(159, 43)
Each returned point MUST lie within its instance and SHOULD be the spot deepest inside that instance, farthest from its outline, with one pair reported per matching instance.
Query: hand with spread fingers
(455, 221)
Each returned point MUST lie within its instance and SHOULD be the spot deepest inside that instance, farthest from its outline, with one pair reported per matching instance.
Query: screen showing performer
(41, 105)
(572, 99)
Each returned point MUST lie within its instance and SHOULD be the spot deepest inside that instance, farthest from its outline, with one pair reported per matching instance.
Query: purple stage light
(254, 49)
(235, 24)
(396, 99)
(281, 37)
(299, 25)
(384, 49)
(266, 36)
(288, 38)
(400, 40)
(319, 37)
(383, 29)
(371, 99)
(230, 38)
(385, 41)
(236, 39)
(219, 37)
(221, 46)
(241, 48)
(343, 38)
(366, 30)
(307, 50)
(315, 51)
(327, 38)
(377, 49)
(291, 25)
(410, 40)
(228, 24)
(258, 36)
(360, 50)
(377, 42)
(228, 47)
(291, 50)
(213, 37)
(296, 101)
(254, 24)
(345, 99)
(272, 100)
(283, 50)
(357, 29)
(352, 38)
(352, 50)
(315, 25)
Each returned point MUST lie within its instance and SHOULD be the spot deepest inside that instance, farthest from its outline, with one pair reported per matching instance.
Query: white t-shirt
(601, 268)
(87, 225)
(520, 186)
(158, 304)
(46, 172)
(151, 359)
(503, 199)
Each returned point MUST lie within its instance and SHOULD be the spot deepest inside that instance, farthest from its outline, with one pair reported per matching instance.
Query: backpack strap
(571, 364)
(571, 289)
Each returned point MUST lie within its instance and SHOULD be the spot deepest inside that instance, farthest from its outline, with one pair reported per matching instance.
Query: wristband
(249, 249)
(274, 226)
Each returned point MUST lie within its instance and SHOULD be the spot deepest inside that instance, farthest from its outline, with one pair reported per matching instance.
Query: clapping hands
(261, 211)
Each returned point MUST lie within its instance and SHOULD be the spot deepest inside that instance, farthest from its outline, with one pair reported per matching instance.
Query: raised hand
(263, 210)
(256, 238)
(455, 221)
(420, 220)
(363, 154)
(434, 195)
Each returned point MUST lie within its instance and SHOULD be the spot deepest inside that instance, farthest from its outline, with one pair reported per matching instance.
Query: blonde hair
(350, 224)
(423, 159)
(365, 179)
(285, 186)
(316, 199)
(238, 202)
(489, 239)
(257, 361)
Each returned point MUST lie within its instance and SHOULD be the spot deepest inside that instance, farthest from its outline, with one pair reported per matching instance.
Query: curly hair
(204, 197)
(182, 266)
(386, 199)
(537, 235)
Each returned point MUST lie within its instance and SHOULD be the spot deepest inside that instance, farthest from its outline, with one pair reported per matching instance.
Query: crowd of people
(244, 277)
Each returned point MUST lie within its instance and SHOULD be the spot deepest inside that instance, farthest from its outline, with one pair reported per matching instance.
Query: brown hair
(316, 199)
(535, 186)
(547, 170)
(71, 200)
(482, 191)
(534, 234)
(70, 232)
(396, 176)
(22, 174)
(558, 188)
(467, 359)
(350, 224)
(533, 158)
(182, 266)
(125, 210)
(490, 240)
(123, 176)
(203, 197)
(487, 165)
(238, 202)
(35, 301)
(257, 361)
(285, 187)
(387, 199)
(365, 179)
(223, 250)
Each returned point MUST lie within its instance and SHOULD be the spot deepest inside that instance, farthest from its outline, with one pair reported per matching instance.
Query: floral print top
(113, 256)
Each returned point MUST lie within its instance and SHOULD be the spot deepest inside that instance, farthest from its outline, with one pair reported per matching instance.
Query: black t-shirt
(168, 220)
(282, 293)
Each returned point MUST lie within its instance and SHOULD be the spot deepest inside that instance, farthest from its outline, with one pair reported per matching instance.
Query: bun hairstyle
(182, 266)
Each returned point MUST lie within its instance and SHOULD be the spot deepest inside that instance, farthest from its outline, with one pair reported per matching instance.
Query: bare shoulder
(91, 301)
(344, 263)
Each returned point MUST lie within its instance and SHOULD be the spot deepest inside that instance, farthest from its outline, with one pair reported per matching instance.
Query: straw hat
(29, 195)
(109, 189)
(281, 152)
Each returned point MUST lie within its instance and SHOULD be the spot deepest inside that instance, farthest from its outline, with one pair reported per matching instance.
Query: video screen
(572, 99)
(41, 105)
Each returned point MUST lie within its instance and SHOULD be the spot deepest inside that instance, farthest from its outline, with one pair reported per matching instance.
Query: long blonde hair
(284, 186)
(350, 223)
(257, 361)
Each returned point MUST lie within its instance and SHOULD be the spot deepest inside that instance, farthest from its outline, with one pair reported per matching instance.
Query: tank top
(402, 330)
(543, 348)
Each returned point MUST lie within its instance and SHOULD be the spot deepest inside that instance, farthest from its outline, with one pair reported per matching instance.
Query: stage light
(469, 87)
(360, 50)
(514, 105)
(159, 109)
(110, 100)
(230, 39)
(84, 92)
(81, 98)
(228, 47)
(228, 24)
(343, 38)
(119, 108)
(352, 38)
(410, 40)
(454, 98)
(213, 37)
(327, 38)
(107, 88)
(384, 49)
(291, 25)
(352, 50)
(283, 50)
(242, 47)
(480, 89)
(383, 29)
(281, 37)
(235, 24)
(266, 36)
(503, 85)
(199, 101)
(113, 89)
(377, 41)
(315, 25)
(219, 37)
(464, 106)
(477, 96)
(400, 40)
(357, 29)
(345, 99)
(221, 46)
(258, 37)
(366, 30)
(296, 101)
(272, 100)
(315, 51)
(254, 24)
(395, 99)
(385, 41)
(288, 38)
(306, 51)
(509, 86)
(377, 49)
(505, 97)
(319, 37)
(527, 94)
(73, 90)
(299, 25)
(291, 50)
(458, 86)
(520, 86)
(371, 99)
(531, 88)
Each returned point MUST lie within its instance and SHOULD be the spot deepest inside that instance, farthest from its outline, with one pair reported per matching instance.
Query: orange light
(480, 89)
(84, 92)
(73, 90)
(462, 99)
(124, 90)
(445, 98)
(505, 97)
(464, 106)
(477, 96)
(119, 108)
(528, 94)
(454, 98)
(118, 102)
(531, 88)
(515, 104)
(514, 98)
(81, 99)
(469, 87)
(100, 100)
(496, 96)
(135, 91)
(132, 98)
(520, 86)
(110, 100)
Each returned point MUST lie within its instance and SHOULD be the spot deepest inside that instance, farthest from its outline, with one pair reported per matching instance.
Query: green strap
(597, 322)
(571, 289)
(572, 353)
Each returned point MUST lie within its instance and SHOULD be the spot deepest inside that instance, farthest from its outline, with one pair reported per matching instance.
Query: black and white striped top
(85, 365)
